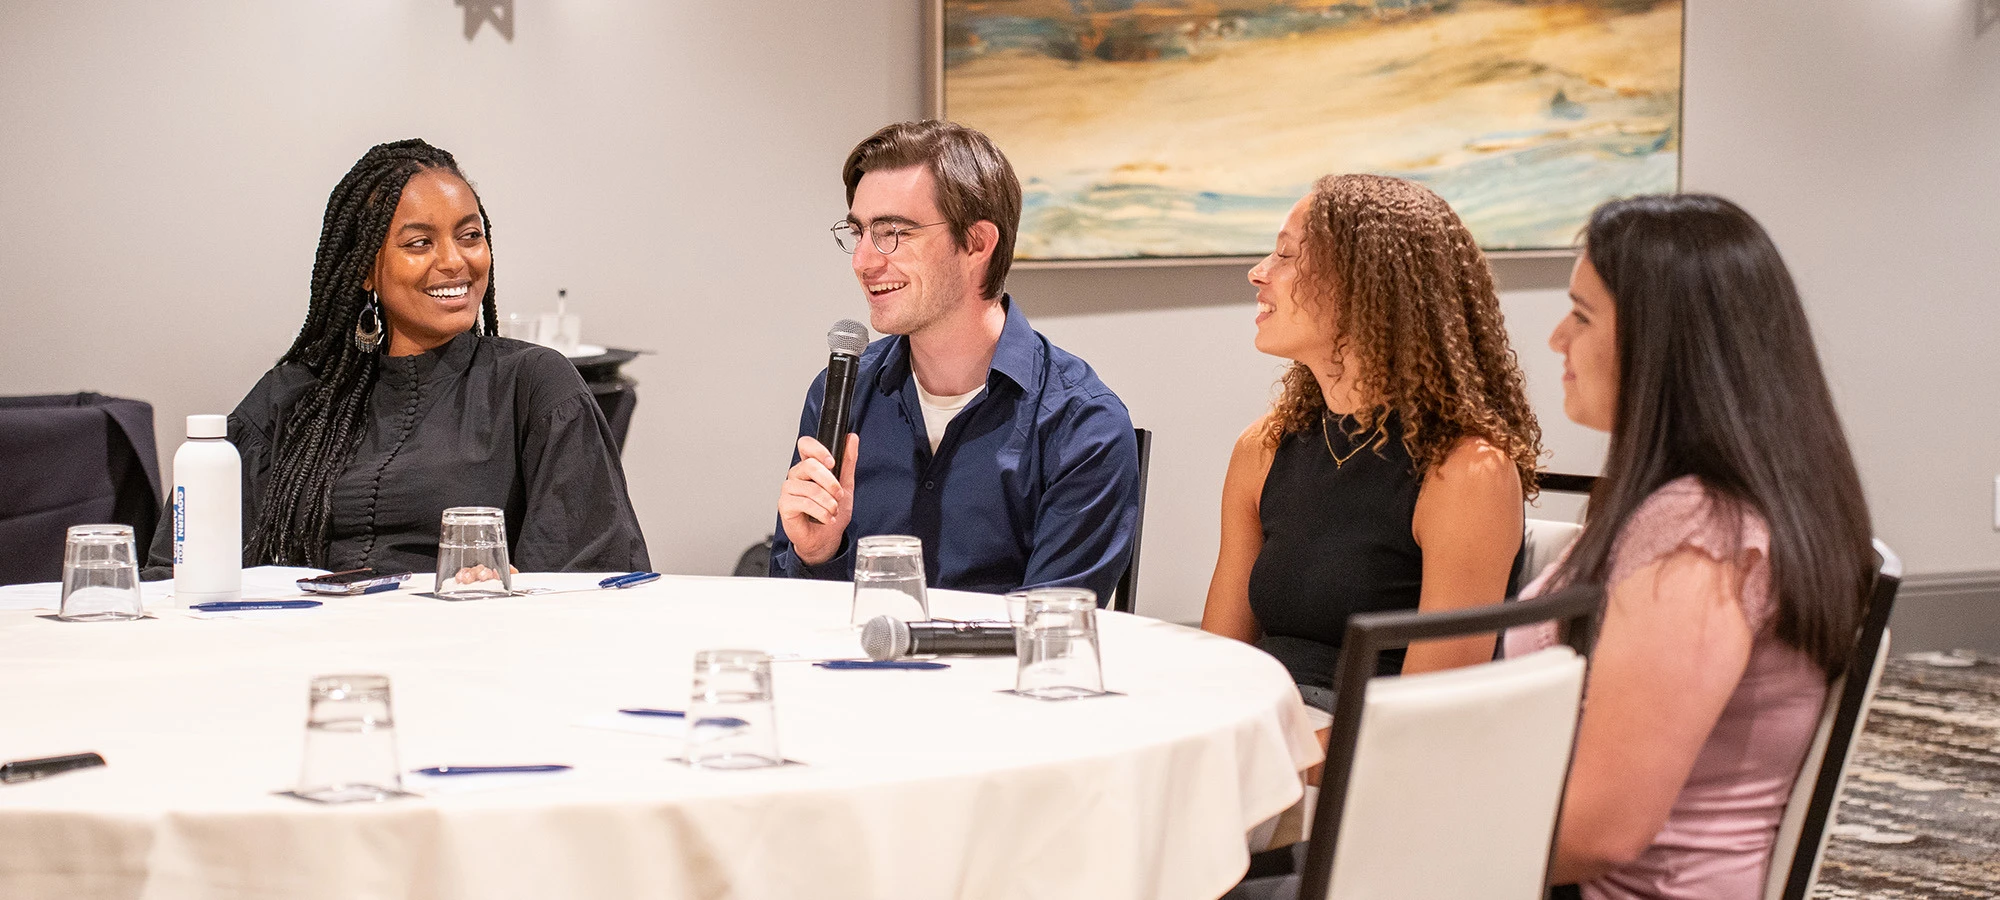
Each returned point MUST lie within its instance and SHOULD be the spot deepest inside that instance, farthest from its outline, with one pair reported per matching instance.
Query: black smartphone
(354, 581)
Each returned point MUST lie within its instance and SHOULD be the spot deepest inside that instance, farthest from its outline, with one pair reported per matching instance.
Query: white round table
(918, 784)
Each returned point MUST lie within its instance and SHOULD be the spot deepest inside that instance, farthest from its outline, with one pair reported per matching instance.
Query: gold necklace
(1339, 460)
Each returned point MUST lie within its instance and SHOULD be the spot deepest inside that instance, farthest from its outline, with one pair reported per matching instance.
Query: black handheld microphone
(844, 343)
(887, 637)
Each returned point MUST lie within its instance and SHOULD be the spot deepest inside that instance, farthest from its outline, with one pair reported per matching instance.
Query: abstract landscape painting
(1187, 128)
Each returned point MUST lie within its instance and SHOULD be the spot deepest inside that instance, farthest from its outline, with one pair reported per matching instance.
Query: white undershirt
(939, 411)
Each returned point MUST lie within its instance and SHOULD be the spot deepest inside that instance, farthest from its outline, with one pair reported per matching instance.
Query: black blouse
(1337, 541)
(479, 421)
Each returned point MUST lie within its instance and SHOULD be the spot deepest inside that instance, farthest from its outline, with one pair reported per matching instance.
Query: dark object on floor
(1276, 863)
(756, 561)
(1920, 816)
(72, 459)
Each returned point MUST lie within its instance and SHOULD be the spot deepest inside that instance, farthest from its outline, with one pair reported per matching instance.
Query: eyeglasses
(886, 236)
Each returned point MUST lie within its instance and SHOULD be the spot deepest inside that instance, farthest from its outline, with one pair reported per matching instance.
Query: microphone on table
(844, 343)
(887, 637)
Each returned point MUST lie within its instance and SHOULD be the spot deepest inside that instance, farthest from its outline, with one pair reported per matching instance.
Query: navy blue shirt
(1035, 484)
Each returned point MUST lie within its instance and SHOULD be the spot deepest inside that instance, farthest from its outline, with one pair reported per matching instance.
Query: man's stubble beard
(941, 295)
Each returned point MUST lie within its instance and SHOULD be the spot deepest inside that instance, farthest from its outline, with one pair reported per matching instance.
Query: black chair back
(72, 459)
(1563, 483)
(1126, 600)
(1847, 720)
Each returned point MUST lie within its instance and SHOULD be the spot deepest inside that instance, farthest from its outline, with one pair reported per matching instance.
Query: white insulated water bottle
(208, 514)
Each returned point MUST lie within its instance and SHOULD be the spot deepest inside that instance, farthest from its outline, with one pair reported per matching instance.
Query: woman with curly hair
(1389, 473)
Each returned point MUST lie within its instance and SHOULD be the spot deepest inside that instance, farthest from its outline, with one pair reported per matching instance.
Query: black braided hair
(318, 437)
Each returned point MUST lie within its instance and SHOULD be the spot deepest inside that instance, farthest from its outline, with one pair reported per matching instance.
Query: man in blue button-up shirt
(1006, 455)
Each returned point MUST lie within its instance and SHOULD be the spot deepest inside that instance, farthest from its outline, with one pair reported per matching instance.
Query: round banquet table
(917, 784)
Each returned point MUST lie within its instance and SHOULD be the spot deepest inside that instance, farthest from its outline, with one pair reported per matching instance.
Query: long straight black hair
(1719, 379)
(319, 435)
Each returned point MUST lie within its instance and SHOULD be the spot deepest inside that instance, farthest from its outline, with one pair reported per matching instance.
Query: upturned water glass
(889, 579)
(731, 715)
(100, 575)
(1058, 653)
(350, 754)
(472, 554)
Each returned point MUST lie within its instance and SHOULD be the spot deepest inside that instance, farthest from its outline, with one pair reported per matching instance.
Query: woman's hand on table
(472, 574)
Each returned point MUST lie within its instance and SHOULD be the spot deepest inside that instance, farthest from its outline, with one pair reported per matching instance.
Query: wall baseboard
(1948, 611)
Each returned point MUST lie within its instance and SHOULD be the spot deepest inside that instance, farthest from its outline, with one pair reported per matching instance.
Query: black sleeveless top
(1337, 541)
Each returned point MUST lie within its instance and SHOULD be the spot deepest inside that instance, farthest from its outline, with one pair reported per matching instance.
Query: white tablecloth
(917, 784)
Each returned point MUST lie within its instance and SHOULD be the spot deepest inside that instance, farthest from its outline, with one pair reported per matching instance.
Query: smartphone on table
(354, 581)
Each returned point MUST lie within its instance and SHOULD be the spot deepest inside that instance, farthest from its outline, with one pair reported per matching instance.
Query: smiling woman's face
(432, 270)
(1587, 338)
(1286, 325)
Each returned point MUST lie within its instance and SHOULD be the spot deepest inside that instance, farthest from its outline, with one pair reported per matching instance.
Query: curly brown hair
(1413, 299)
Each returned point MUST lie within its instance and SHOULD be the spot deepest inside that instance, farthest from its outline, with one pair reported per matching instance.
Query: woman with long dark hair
(1390, 471)
(1730, 531)
(397, 401)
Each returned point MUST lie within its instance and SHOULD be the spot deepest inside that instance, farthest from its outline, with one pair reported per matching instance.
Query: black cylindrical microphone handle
(887, 637)
(836, 411)
(961, 637)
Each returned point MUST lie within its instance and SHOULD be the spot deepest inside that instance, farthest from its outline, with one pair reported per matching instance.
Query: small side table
(617, 394)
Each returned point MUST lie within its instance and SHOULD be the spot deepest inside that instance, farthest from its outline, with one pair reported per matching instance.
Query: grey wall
(673, 164)
(1863, 134)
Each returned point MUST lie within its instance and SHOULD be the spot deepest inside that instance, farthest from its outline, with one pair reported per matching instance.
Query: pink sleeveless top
(1716, 843)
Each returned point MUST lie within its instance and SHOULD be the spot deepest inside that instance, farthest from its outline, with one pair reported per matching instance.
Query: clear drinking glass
(1059, 658)
(889, 579)
(561, 332)
(1017, 615)
(473, 542)
(519, 327)
(350, 741)
(732, 722)
(100, 575)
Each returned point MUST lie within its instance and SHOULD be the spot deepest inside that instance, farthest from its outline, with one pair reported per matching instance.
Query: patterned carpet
(1920, 817)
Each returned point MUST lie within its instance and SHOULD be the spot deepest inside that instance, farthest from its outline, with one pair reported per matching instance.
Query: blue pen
(488, 770)
(720, 722)
(244, 605)
(628, 580)
(661, 713)
(881, 664)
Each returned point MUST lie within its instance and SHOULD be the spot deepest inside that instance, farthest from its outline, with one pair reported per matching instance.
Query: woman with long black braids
(397, 401)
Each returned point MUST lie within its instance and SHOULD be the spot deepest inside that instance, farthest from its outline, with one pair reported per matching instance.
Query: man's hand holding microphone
(817, 499)
(814, 504)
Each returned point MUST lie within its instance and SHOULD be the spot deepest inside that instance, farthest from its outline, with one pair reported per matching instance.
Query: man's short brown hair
(974, 182)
